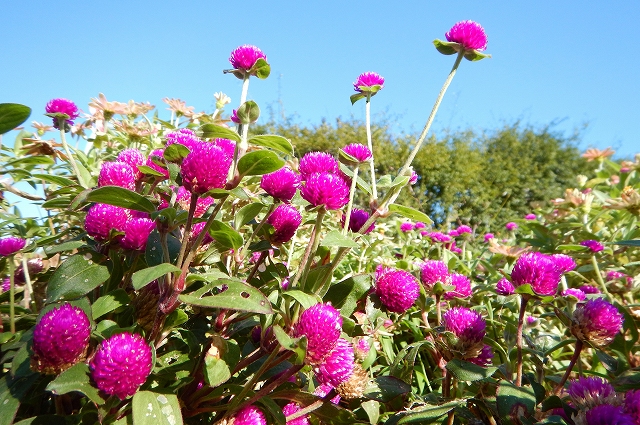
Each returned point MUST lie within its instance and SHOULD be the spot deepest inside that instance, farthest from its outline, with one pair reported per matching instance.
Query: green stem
(12, 313)
(314, 246)
(72, 161)
(596, 269)
(352, 192)
(28, 300)
(255, 232)
(187, 228)
(374, 190)
(523, 308)
(574, 359)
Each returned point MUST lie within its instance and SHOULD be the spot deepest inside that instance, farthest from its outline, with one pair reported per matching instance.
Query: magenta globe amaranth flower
(593, 245)
(596, 321)
(406, 227)
(357, 220)
(574, 293)
(632, 405)
(511, 226)
(337, 367)
(469, 328)
(244, 57)
(564, 262)
(317, 162)
(227, 146)
(469, 34)
(134, 158)
(321, 324)
(397, 289)
(183, 198)
(102, 218)
(591, 391)
(605, 414)
(437, 237)
(136, 233)
(538, 270)
(117, 173)
(530, 217)
(327, 189)
(285, 219)
(281, 184)
(62, 106)
(121, 364)
(234, 117)
(205, 168)
(60, 339)
(323, 390)
(185, 137)
(290, 409)
(504, 287)
(462, 286)
(488, 237)
(464, 229)
(358, 151)
(485, 358)
(10, 245)
(369, 82)
(249, 415)
(432, 272)
(158, 155)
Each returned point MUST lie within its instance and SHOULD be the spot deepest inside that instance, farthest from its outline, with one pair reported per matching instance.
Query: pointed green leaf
(121, 197)
(175, 152)
(257, 163)
(12, 115)
(272, 141)
(345, 295)
(260, 69)
(77, 276)
(232, 295)
(59, 180)
(151, 408)
(386, 388)
(467, 371)
(12, 391)
(429, 413)
(474, 55)
(336, 238)
(148, 171)
(75, 379)
(225, 236)
(303, 298)
(514, 402)
(248, 213)
(213, 131)
(107, 303)
(356, 97)
(447, 47)
(142, 277)
(631, 242)
(410, 213)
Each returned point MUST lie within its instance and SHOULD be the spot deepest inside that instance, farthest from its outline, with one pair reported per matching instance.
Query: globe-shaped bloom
(463, 229)
(538, 270)
(406, 227)
(205, 168)
(281, 184)
(574, 293)
(60, 339)
(589, 289)
(285, 219)
(358, 151)
(485, 358)
(133, 157)
(184, 136)
(564, 262)
(317, 162)
(121, 364)
(530, 217)
(357, 220)
(488, 237)
(34, 266)
(462, 287)
(290, 409)
(367, 81)
(469, 328)
(413, 179)
(337, 367)
(117, 173)
(196, 229)
(327, 189)
(10, 245)
(158, 155)
(511, 226)
(183, 198)
(323, 389)
(632, 405)
(504, 287)
(234, 117)
(593, 245)
(227, 146)
(101, 218)
(136, 233)
(321, 324)
(432, 272)
(437, 236)
(469, 34)
(397, 289)
(596, 321)
(244, 57)
(6, 284)
(249, 415)
(591, 391)
(62, 106)
(605, 414)
(420, 225)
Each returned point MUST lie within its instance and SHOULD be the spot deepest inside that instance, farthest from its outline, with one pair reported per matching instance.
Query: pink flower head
(281, 184)
(62, 106)
(323, 389)
(196, 229)
(362, 347)
(438, 237)
(34, 266)
(632, 405)
(158, 154)
(327, 189)
(357, 220)
(614, 275)
(358, 151)
(136, 233)
(61, 338)
(290, 409)
(205, 168)
(117, 174)
(227, 146)
(321, 324)
(504, 287)
(588, 392)
(564, 262)
(589, 289)
(597, 321)
(407, 226)
(453, 233)
(244, 57)
(539, 271)
(185, 137)
(234, 117)
(101, 218)
(133, 157)
(183, 198)
(337, 367)
(530, 217)
(485, 358)
(367, 81)
(511, 226)
(606, 414)
(574, 293)
(462, 285)
(469, 34)
(593, 245)
(249, 415)
(463, 229)
(6, 284)
(285, 219)
(397, 289)
(10, 245)
(121, 364)
(488, 237)
(414, 178)
(532, 320)
(420, 225)
(432, 272)
(465, 323)
(317, 162)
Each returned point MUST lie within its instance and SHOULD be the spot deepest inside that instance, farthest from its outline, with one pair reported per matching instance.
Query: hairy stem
(574, 359)
(352, 192)
(523, 308)
(374, 190)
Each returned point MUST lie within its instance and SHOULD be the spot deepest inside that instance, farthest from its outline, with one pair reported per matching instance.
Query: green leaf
(248, 213)
(66, 246)
(213, 131)
(346, 294)
(475, 55)
(248, 112)
(631, 242)
(260, 69)
(75, 379)
(305, 300)
(77, 276)
(151, 408)
(220, 361)
(12, 115)
(153, 254)
(145, 169)
(43, 420)
(271, 141)
(59, 180)
(142, 277)
(356, 97)
(233, 295)
(260, 162)
(336, 238)
(297, 345)
(107, 303)
(571, 248)
(410, 213)
(175, 152)
(514, 402)
(225, 235)
(467, 371)
(121, 197)
(429, 413)
(12, 390)
(386, 388)
(447, 47)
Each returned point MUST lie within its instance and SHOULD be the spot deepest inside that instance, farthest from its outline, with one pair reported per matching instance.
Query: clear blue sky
(569, 62)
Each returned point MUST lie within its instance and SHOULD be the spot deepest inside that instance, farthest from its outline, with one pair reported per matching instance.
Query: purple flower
(205, 168)
(117, 174)
(453, 233)
(539, 271)
(593, 245)
(615, 275)
(406, 227)
(575, 293)
(158, 154)
(358, 151)
(511, 226)
(337, 367)
(420, 225)
(397, 289)
(121, 364)
(564, 262)
(183, 198)
(6, 284)
(285, 219)
(596, 321)
(10, 245)
(464, 229)
(488, 237)
(530, 217)
(34, 266)
(234, 117)
(323, 389)
(60, 339)
(414, 178)
(589, 289)
(588, 392)
(367, 82)
(632, 405)
(432, 272)
(531, 320)
(504, 287)
(317, 162)
(290, 409)
(185, 137)
(361, 347)
(62, 106)
(321, 324)
(196, 229)
(485, 358)
(101, 218)
(133, 157)
(227, 146)
(327, 189)
(438, 237)
(606, 414)
(281, 184)
(464, 323)
(249, 415)
(136, 233)
(469, 34)
(462, 285)
(357, 220)
(244, 57)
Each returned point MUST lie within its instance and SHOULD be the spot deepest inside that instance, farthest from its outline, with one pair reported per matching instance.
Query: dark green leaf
(220, 361)
(43, 420)
(271, 141)
(107, 303)
(213, 131)
(12, 391)
(607, 361)
(248, 213)
(631, 242)
(386, 388)
(248, 112)
(233, 295)
(467, 371)
(121, 197)
(260, 162)
(303, 298)
(346, 294)
(514, 402)
(429, 413)
(410, 213)
(67, 246)
(356, 97)
(153, 253)
(225, 235)
(142, 277)
(151, 408)
(447, 47)
(12, 115)
(336, 238)
(297, 345)
(59, 180)
(175, 152)
(77, 276)
(145, 169)
(75, 379)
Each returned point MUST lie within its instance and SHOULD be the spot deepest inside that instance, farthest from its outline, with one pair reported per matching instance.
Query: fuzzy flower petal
(158, 155)
(397, 289)
(357, 220)
(136, 233)
(358, 151)
(249, 415)
(504, 287)
(327, 189)
(321, 324)
(281, 184)
(432, 272)
(290, 409)
(606, 414)
(337, 367)
(469, 34)
(588, 392)
(117, 173)
(285, 219)
(317, 162)
(538, 270)
(593, 245)
(133, 157)
(244, 57)
(367, 80)
(462, 284)
(101, 218)
(597, 321)
(10, 245)
(406, 227)
(564, 262)
(184, 136)
(205, 168)
(464, 323)
(62, 106)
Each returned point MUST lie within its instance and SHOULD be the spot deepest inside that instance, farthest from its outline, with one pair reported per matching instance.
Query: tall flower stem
(523, 307)
(374, 190)
(596, 269)
(72, 161)
(311, 248)
(28, 301)
(255, 232)
(12, 289)
(572, 362)
(352, 192)
(242, 131)
(438, 310)
(187, 228)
